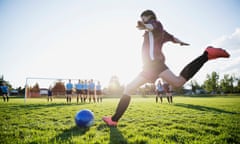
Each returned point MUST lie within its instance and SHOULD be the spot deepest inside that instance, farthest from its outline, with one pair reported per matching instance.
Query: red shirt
(153, 41)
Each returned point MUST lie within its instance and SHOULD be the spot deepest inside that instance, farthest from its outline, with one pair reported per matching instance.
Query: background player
(85, 90)
(50, 94)
(159, 91)
(69, 88)
(99, 92)
(170, 94)
(4, 89)
(79, 90)
(91, 88)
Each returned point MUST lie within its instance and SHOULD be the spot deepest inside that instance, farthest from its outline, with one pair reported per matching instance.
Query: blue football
(84, 118)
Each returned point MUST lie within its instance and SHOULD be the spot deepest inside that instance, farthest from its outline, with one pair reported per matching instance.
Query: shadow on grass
(204, 108)
(67, 134)
(44, 105)
(116, 136)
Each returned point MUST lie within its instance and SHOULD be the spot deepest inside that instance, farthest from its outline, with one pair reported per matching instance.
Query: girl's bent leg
(172, 79)
(188, 71)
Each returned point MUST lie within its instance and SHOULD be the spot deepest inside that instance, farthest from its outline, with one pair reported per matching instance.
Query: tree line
(213, 84)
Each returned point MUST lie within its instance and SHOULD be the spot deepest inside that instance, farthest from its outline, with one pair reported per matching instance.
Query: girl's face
(145, 19)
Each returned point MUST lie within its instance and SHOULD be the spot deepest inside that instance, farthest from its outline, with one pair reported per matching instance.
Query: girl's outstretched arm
(176, 40)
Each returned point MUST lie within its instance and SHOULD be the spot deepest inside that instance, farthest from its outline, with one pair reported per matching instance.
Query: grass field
(188, 120)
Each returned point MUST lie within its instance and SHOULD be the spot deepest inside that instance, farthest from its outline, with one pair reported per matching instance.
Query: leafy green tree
(238, 85)
(231, 81)
(211, 82)
(225, 83)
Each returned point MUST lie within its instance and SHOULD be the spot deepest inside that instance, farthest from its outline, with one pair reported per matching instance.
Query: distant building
(43, 91)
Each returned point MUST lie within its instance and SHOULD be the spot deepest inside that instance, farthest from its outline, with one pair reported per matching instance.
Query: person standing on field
(85, 90)
(50, 94)
(91, 88)
(166, 88)
(5, 91)
(154, 66)
(79, 91)
(69, 89)
(170, 94)
(99, 92)
(159, 91)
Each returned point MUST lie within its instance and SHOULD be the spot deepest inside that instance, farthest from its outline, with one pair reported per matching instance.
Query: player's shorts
(91, 92)
(152, 70)
(79, 91)
(98, 92)
(159, 93)
(5, 93)
(85, 91)
(69, 92)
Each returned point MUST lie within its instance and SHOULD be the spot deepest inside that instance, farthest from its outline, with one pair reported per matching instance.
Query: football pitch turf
(187, 120)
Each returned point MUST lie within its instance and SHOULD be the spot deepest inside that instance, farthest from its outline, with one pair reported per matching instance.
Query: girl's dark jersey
(160, 36)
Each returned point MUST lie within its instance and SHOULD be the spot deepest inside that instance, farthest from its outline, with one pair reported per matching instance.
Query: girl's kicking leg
(124, 101)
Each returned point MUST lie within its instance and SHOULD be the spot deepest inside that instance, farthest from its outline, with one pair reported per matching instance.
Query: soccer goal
(37, 87)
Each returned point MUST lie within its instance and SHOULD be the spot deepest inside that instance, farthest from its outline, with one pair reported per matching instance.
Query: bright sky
(97, 39)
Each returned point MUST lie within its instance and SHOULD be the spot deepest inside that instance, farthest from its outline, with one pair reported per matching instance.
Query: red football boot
(108, 121)
(214, 53)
